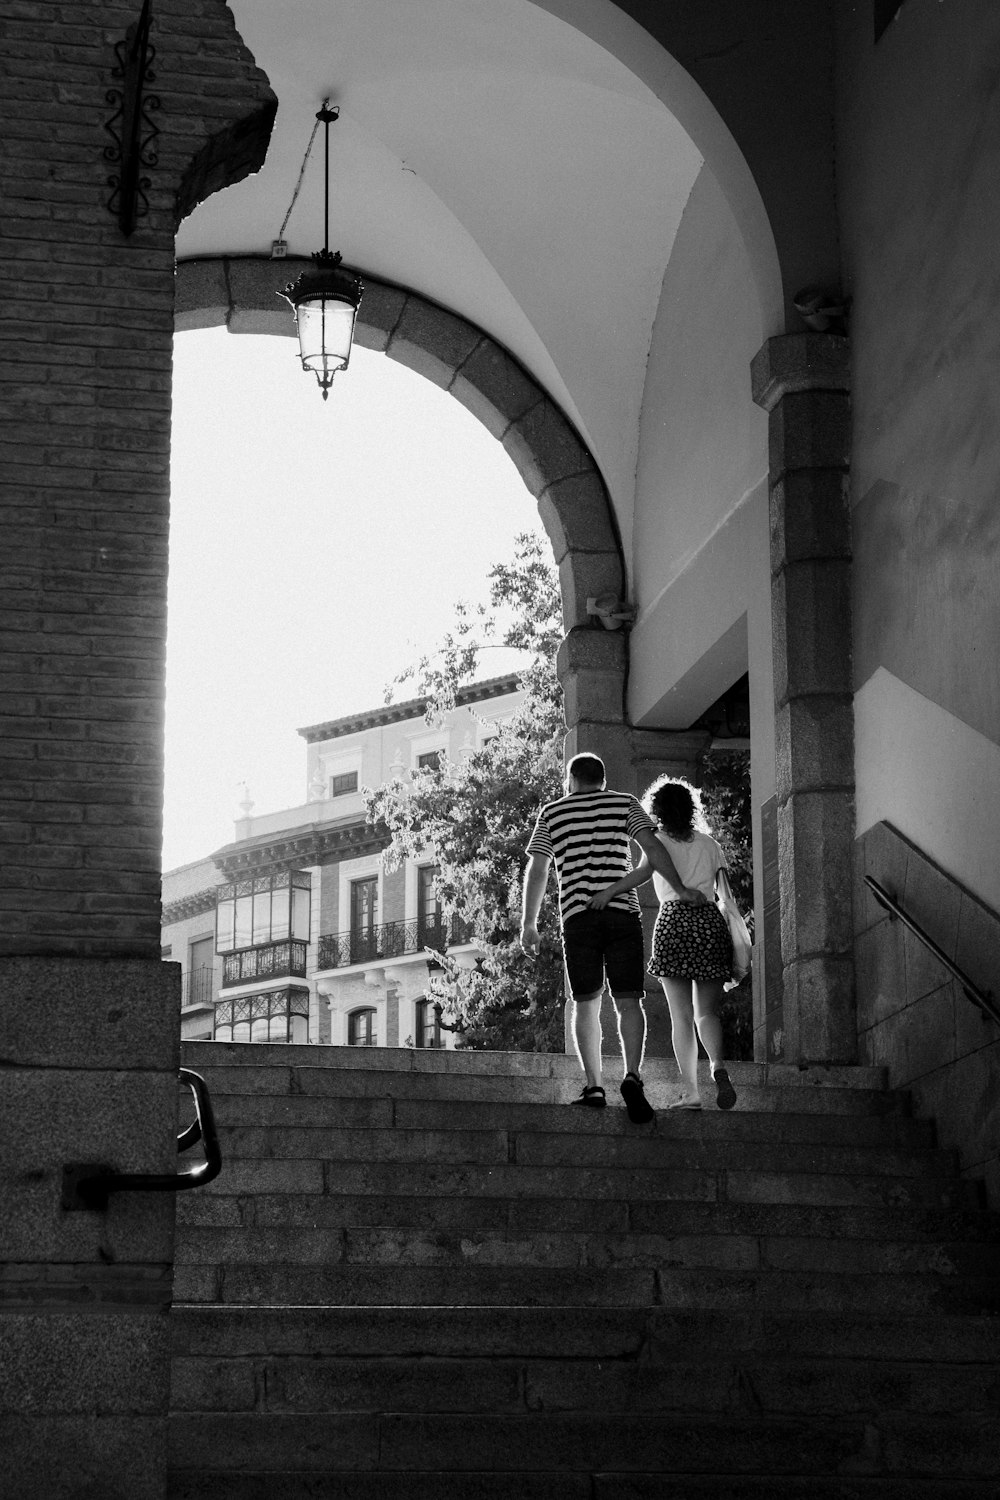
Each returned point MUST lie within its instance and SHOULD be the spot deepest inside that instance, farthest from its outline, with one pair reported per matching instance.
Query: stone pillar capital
(799, 362)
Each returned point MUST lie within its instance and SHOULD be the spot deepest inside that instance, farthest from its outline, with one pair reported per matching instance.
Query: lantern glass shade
(326, 328)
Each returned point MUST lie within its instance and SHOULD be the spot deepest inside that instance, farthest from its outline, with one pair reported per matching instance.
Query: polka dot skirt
(691, 942)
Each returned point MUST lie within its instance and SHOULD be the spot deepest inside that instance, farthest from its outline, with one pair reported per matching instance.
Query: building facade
(296, 931)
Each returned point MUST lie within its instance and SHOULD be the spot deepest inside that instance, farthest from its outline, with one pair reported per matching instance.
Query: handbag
(742, 945)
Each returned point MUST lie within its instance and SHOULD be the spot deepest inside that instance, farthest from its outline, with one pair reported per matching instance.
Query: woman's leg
(707, 999)
(682, 1032)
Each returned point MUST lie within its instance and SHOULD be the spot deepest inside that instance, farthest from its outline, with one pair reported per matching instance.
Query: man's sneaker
(725, 1094)
(640, 1111)
(592, 1097)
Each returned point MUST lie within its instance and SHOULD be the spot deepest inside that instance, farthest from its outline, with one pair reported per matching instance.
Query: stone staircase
(421, 1275)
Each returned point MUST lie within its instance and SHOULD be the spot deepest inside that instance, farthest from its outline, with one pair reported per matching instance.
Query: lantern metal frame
(326, 281)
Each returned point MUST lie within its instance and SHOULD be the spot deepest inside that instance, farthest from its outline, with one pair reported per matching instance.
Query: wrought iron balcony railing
(391, 940)
(270, 961)
(198, 987)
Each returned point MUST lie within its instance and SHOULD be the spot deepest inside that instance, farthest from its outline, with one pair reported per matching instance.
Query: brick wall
(85, 370)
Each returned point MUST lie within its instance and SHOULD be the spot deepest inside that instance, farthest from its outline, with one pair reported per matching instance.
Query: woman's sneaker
(640, 1111)
(725, 1094)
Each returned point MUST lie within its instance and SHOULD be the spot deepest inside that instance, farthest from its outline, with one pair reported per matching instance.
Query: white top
(697, 862)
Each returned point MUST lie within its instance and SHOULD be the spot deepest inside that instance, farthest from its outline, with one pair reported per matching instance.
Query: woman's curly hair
(676, 806)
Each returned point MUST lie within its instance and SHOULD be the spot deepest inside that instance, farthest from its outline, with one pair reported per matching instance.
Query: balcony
(268, 961)
(198, 989)
(338, 950)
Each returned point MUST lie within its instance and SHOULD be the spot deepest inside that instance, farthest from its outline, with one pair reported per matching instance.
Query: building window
(430, 760)
(267, 909)
(341, 785)
(361, 1029)
(429, 919)
(277, 1016)
(428, 1023)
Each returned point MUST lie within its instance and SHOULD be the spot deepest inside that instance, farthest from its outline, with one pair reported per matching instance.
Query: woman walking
(692, 950)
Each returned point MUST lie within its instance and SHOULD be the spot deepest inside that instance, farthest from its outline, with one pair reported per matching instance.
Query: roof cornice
(413, 708)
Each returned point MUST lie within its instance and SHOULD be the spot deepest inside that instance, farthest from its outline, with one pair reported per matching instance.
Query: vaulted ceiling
(490, 156)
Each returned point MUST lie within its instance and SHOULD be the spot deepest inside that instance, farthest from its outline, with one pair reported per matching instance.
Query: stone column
(802, 381)
(89, 1016)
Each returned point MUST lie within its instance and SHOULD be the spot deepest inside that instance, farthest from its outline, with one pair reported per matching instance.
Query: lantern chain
(302, 173)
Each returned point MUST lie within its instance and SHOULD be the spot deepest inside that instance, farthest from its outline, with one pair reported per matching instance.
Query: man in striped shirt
(587, 834)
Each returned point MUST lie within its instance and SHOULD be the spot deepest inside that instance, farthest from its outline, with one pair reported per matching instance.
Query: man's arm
(535, 878)
(664, 865)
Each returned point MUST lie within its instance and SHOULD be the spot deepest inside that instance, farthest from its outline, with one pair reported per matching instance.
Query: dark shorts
(601, 945)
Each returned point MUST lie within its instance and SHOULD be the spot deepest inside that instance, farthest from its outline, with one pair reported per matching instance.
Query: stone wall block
(815, 835)
(819, 994)
(576, 514)
(494, 387)
(380, 311)
(809, 430)
(881, 980)
(545, 449)
(810, 517)
(590, 649)
(974, 1029)
(933, 900)
(588, 575)
(78, 1456)
(608, 740)
(810, 618)
(881, 853)
(814, 745)
(592, 696)
(202, 297)
(90, 1013)
(255, 301)
(51, 1115)
(977, 946)
(799, 362)
(432, 342)
(74, 1362)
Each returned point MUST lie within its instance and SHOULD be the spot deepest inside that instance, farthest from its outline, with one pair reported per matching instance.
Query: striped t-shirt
(587, 835)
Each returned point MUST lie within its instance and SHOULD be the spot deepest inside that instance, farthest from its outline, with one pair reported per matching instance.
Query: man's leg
(587, 1035)
(631, 1030)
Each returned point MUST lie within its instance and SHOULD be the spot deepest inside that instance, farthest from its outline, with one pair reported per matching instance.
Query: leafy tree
(474, 816)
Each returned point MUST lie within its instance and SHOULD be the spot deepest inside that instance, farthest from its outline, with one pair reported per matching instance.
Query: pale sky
(316, 549)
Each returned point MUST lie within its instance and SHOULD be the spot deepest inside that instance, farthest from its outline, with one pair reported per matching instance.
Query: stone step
(382, 1111)
(643, 1148)
(783, 1093)
(629, 1285)
(422, 1178)
(732, 1382)
(298, 1246)
(559, 1443)
(516, 1215)
(432, 1484)
(555, 1065)
(643, 1334)
(646, 1148)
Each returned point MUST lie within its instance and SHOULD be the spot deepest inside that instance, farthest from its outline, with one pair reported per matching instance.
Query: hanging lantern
(325, 298)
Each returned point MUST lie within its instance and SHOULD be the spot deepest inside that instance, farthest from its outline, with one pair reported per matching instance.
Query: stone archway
(241, 292)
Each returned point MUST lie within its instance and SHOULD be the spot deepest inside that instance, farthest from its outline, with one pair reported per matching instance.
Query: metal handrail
(88, 1185)
(981, 998)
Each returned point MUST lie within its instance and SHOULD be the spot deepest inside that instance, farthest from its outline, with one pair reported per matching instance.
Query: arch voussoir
(431, 341)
